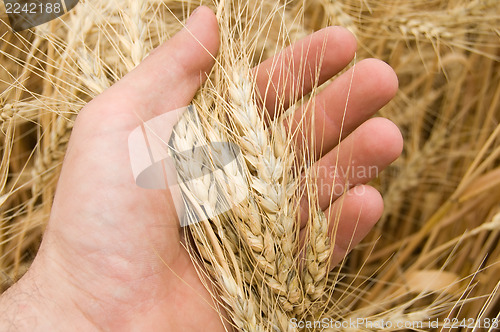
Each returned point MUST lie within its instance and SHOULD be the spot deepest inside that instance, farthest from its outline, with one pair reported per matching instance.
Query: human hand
(111, 257)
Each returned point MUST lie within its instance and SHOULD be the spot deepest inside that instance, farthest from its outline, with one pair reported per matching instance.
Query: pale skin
(111, 257)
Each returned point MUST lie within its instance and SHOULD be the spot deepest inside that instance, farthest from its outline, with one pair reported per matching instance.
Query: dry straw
(441, 220)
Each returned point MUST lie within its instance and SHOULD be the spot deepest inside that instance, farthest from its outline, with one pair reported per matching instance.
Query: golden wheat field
(434, 254)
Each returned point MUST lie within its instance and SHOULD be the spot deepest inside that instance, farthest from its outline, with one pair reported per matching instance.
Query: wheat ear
(201, 197)
(269, 162)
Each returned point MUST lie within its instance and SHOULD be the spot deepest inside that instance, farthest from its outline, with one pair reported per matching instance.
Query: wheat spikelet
(93, 76)
(339, 16)
(52, 154)
(317, 256)
(6, 115)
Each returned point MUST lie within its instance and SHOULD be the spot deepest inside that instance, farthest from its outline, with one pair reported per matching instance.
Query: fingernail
(193, 14)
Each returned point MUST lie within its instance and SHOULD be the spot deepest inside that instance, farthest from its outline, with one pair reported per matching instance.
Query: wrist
(33, 305)
(20, 308)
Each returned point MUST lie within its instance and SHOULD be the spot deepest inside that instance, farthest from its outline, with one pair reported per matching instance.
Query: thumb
(96, 173)
(170, 76)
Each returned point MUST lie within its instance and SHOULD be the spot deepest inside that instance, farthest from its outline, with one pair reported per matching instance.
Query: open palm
(112, 258)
